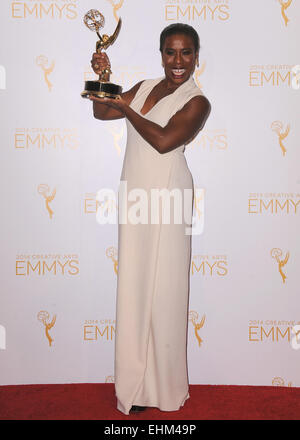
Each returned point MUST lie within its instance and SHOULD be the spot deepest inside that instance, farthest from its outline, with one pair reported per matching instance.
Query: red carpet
(98, 402)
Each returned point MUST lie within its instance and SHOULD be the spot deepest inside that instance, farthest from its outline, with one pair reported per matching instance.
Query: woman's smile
(178, 73)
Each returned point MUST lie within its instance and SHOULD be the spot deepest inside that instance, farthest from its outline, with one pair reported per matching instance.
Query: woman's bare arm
(181, 128)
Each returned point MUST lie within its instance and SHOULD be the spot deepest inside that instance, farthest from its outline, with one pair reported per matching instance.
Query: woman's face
(179, 58)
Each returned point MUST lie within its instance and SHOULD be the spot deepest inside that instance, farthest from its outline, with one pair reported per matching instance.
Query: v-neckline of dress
(170, 94)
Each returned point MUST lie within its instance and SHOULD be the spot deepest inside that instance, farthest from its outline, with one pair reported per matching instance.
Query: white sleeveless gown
(153, 271)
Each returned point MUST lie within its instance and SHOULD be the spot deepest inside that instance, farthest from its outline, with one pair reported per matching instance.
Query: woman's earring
(197, 64)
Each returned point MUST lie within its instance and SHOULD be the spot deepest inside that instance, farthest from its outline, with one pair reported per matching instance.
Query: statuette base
(101, 89)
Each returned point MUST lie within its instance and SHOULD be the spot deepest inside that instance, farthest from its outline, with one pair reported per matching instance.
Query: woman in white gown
(162, 116)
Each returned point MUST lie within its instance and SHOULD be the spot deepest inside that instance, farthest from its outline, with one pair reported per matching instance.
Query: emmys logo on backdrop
(277, 127)
(46, 139)
(279, 382)
(273, 203)
(193, 318)
(44, 318)
(281, 262)
(201, 10)
(44, 9)
(92, 205)
(2, 337)
(211, 139)
(129, 75)
(2, 78)
(271, 331)
(44, 190)
(44, 264)
(215, 265)
(284, 5)
(42, 62)
(103, 329)
(112, 253)
(271, 75)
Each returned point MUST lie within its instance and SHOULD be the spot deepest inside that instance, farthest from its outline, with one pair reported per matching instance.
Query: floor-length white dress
(153, 270)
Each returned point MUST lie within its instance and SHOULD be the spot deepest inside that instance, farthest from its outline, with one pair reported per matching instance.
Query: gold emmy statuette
(94, 20)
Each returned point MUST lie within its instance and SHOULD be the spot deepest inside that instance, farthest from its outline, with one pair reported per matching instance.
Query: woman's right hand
(100, 62)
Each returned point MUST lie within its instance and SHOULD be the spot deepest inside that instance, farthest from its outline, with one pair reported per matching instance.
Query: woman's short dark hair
(179, 28)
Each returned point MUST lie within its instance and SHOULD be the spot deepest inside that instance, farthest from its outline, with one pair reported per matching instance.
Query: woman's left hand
(118, 103)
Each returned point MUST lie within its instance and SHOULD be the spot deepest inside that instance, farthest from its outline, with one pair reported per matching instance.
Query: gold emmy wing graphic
(198, 200)
(117, 135)
(42, 61)
(101, 88)
(112, 252)
(116, 7)
(277, 127)
(44, 317)
(193, 316)
(279, 382)
(44, 189)
(198, 73)
(276, 253)
(284, 6)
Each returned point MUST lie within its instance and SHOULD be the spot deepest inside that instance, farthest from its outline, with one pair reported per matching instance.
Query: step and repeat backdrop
(59, 264)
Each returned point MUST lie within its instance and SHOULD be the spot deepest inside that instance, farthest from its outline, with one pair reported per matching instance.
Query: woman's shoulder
(190, 93)
(194, 90)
